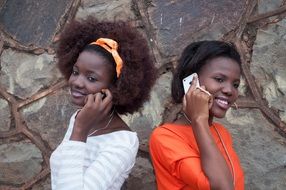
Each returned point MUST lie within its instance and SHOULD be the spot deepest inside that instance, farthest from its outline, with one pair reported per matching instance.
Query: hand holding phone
(95, 111)
(188, 80)
(103, 94)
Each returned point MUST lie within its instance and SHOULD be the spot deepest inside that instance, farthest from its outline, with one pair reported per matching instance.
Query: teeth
(223, 102)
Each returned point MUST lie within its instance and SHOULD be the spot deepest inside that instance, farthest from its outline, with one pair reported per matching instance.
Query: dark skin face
(91, 74)
(221, 77)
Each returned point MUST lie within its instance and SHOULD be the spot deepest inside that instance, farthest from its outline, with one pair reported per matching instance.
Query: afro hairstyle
(138, 73)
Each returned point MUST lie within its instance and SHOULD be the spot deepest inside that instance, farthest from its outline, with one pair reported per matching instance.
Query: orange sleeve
(179, 158)
(191, 173)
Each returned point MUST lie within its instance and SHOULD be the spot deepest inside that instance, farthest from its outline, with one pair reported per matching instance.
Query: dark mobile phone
(103, 95)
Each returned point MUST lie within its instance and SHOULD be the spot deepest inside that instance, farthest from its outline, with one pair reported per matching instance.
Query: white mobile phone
(187, 82)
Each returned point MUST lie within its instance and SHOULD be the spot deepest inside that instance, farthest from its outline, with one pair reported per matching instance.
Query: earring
(235, 105)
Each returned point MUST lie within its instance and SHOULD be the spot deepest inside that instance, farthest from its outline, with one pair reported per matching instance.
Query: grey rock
(49, 117)
(265, 6)
(105, 10)
(43, 184)
(33, 22)
(269, 63)
(24, 74)
(142, 176)
(260, 148)
(177, 23)
(5, 115)
(151, 115)
(19, 162)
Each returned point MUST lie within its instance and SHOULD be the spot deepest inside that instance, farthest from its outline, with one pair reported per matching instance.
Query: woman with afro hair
(109, 72)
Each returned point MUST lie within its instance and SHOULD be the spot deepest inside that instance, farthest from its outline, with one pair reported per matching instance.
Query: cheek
(235, 94)
(94, 87)
(212, 87)
(70, 80)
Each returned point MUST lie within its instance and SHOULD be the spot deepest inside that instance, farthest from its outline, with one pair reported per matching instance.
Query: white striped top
(103, 162)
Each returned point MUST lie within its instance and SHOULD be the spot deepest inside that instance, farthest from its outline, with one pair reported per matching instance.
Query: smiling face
(91, 73)
(221, 77)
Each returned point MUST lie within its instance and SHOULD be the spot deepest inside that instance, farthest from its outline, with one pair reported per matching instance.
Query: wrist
(79, 134)
(200, 121)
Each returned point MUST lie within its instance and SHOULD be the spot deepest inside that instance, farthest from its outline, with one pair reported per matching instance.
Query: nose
(77, 81)
(228, 89)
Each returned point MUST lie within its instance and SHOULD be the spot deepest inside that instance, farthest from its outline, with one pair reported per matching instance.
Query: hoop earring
(235, 105)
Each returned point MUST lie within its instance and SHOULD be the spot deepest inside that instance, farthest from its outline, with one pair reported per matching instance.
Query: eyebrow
(90, 72)
(219, 73)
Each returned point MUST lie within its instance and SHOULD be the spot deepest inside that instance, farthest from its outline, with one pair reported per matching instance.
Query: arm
(196, 106)
(100, 174)
(93, 115)
(213, 163)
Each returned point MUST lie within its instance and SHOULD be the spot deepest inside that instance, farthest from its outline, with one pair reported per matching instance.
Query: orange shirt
(176, 157)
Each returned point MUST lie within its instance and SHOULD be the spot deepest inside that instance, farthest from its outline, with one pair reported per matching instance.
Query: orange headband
(111, 46)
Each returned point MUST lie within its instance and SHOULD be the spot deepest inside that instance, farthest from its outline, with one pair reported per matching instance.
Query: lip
(77, 94)
(222, 103)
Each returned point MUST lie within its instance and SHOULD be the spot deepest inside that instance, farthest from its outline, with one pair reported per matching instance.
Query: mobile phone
(103, 95)
(188, 80)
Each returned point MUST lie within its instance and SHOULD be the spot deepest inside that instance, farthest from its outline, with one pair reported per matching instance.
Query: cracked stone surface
(142, 168)
(144, 122)
(36, 21)
(269, 63)
(14, 159)
(25, 74)
(34, 98)
(265, 6)
(177, 23)
(5, 115)
(121, 10)
(49, 117)
(253, 134)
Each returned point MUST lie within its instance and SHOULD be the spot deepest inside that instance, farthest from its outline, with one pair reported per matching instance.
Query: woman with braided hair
(109, 72)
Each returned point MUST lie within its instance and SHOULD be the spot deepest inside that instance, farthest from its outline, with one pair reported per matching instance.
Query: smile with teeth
(222, 103)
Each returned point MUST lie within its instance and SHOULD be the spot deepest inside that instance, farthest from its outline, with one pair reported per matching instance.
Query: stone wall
(34, 98)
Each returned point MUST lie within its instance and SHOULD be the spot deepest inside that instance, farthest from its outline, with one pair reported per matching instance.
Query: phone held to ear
(188, 80)
(103, 95)
(187, 83)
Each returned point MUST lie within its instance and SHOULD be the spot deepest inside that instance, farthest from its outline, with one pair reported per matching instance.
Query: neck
(210, 120)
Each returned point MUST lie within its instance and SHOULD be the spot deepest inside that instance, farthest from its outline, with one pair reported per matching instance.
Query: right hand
(196, 103)
(94, 112)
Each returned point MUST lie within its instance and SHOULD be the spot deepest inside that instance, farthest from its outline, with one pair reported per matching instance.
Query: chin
(218, 113)
(77, 102)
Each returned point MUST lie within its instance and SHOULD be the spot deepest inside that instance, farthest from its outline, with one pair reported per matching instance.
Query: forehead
(92, 61)
(223, 65)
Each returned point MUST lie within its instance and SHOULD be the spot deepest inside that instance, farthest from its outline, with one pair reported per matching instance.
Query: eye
(91, 79)
(219, 79)
(236, 85)
(74, 72)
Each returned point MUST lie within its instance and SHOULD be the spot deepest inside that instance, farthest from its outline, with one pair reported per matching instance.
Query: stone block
(177, 23)
(5, 115)
(269, 63)
(49, 117)
(33, 22)
(260, 148)
(24, 74)
(19, 162)
(106, 10)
